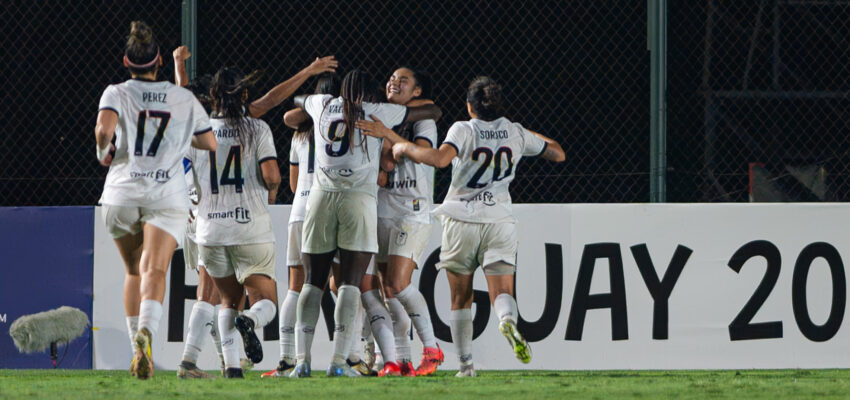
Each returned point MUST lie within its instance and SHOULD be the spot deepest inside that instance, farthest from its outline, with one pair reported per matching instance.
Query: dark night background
(577, 71)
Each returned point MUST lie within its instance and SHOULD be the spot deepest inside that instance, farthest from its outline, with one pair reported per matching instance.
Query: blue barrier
(46, 261)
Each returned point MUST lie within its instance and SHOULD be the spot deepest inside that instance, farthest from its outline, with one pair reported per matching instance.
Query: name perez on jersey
(240, 215)
(487, 134)
(153, 97)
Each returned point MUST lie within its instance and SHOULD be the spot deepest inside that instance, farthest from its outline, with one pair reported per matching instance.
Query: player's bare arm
(205, 141)
(293, 178)
(439, 158)
(387, 162)
(180, 55)
(104, 131)
(283, 90)
(295, 117)
(553, 151)
(271, 178)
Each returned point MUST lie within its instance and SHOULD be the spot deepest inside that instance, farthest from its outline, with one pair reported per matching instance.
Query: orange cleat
(390, 369)
(407, 369)
(431, 358)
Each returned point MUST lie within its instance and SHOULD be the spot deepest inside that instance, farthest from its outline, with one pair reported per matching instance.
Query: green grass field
(519, 385)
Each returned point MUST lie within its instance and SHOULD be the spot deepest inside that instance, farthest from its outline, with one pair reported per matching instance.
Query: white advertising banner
(617, 286)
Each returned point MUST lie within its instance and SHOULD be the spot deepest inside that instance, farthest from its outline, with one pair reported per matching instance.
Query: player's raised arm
(283, 90)
(180, 55)
(553, 150)
(439, 158)
(295, 117)
(205, 141)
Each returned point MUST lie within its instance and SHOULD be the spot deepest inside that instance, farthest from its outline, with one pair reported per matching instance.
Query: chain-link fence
(576, 71)
(758, 100)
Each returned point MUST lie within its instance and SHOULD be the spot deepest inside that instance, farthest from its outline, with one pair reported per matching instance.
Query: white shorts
(190, 248)
(293, 247)
(123, 220)
(467, 245)
(372, 269)
(398, 237)
(243, 260)
(344, 220)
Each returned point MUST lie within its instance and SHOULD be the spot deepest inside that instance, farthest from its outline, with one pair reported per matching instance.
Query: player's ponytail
(141, 54)
(353, 90)
(485, 96)
(228, 90)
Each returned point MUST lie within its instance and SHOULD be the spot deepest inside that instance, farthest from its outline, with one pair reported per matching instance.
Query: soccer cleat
(407, 369)
(369, 354)
(391, 368)
(361, 367)
(466, 371)
(188, 370)
(246, 364)
(283, 370)
(233, 373)
(142, 366)
(301, 370)
(342, 370)
(132, 363)
(431, 358)
(517, 342)
(253, 347)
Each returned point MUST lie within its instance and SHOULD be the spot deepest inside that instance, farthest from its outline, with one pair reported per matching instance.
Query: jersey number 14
(234, 163)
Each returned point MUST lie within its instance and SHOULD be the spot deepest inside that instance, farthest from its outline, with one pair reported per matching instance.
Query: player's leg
(124, 225)
(498, 255)
(254, 264)
(353, 265)
(202, 315)
(380, 322)
(231, 292)
(287, 321)
(460, 286)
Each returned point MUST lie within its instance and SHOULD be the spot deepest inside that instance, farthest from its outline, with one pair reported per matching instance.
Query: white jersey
(303, 154)
(234, 200)
(352, 161)
(156, 121)
(487, 157)
(410, 186)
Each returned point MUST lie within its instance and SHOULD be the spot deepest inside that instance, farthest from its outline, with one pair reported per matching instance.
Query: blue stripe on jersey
(187, 165)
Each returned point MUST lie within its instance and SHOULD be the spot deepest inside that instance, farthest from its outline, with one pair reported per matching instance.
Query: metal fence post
(657, 45)
(189, 33)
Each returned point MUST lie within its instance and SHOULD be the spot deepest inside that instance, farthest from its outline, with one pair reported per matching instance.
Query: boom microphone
(36, 332)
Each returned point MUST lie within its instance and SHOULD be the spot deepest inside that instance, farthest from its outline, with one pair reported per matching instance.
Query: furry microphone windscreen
(33, 333)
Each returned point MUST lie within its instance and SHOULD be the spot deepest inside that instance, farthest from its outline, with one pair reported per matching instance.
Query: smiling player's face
(401, 87)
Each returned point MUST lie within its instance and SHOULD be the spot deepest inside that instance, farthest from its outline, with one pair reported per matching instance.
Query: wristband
(102, 153)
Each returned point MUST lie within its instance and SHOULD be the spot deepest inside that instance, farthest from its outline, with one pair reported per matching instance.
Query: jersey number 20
(497, 165)
(234, 161)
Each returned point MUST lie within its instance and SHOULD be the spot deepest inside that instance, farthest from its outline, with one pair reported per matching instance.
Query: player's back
(348, 160)
(233, 198)
(488, 153)
(156, 122)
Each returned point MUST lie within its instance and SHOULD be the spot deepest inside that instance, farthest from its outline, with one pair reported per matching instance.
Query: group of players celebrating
(361, 167)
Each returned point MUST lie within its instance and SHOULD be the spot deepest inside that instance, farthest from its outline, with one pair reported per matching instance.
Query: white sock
(366, 332)
(231, 341)
(381, 324)
(506, 308)
(355, 348)
(344, 315)
(401, 329)
(461, 325)
(202, 314)
(286, 323)
(417, 310)
(150, 313)
(307, 313)
(132, 328)
(216, 337)
(262, 312)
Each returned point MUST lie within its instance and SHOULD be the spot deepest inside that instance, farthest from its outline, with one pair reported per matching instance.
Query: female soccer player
(145, 206)
(341, 210)
(301, 168)
(234, 231)
(404, 226)
(478, 224)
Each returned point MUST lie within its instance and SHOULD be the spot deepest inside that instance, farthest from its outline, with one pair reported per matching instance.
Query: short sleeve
(532, 145)
(392, 115)
(201, 123)
(110, 100)
(293, 153)
(265, 146)
(314, 105)
(426, 129)
(458, 135)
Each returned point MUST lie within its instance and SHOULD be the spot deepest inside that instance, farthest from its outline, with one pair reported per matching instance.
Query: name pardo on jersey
(486, 134)
(226, 133)
(153, 97)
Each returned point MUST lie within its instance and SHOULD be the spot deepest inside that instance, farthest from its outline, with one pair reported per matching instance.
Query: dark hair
(354, 87)
(423, 80)
(141, 48)
(327, 83)
(227, 90)
(200, 87)
(485, 96)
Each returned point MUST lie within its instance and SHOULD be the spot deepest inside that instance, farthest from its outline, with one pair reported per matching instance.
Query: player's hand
(107, 159)
(322, 64)
(374, 128)
(181, 53)
(398, 150)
